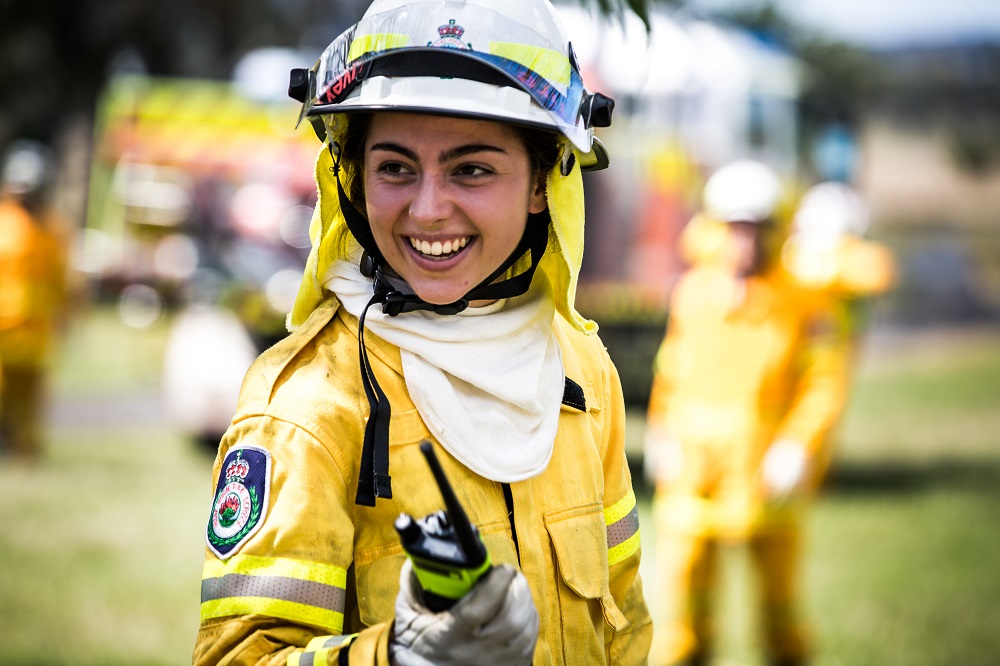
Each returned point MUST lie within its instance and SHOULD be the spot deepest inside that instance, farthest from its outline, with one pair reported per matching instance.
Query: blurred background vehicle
(199, 208)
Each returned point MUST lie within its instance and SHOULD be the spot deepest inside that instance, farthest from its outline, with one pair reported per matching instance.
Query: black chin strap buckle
(395, 302)
(452, 308)
(368, 265)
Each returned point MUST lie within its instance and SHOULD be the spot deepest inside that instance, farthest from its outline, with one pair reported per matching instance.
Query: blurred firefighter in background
(32, 293)
(827, 251)
(748, 382)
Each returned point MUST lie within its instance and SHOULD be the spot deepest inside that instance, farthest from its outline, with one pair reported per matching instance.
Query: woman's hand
(497, 618)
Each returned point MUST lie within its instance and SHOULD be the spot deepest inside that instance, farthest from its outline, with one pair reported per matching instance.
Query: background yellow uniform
(32, 295)
(744, 364)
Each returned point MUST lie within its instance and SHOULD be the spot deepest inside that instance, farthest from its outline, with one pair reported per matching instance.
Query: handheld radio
(448, 556)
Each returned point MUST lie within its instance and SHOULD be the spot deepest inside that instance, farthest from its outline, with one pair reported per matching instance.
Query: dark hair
(541, 145)
(352, 155)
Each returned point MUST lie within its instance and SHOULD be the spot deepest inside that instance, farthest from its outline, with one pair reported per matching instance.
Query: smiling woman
(447, 199)
(436, 308)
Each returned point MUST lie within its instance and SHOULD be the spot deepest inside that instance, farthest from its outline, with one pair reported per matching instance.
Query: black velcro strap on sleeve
(573, 396)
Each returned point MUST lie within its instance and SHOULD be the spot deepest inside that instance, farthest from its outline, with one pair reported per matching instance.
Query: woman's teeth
(437, 248)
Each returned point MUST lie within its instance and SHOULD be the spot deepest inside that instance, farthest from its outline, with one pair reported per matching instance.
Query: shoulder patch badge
(240, 499)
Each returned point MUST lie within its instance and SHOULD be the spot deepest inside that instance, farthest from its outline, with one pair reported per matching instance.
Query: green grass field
(101, 545)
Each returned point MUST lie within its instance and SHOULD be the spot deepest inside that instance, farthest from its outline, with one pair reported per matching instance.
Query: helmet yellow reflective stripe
(305, 592)
(440, 56)
(376, 43)
(547, 63)
(622, 521)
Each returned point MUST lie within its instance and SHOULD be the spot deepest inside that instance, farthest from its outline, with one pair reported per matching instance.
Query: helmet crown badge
(450, 36)
(451, 30)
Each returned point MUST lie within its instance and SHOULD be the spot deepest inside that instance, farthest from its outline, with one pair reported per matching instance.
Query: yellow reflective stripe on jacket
(376, 43)
(552, 65)
(328, 642)
(318, 650)
(622, 520)
(304, 592)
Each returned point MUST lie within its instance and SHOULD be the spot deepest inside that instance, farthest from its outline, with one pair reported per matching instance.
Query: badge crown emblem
(237, 470)
(451, 30)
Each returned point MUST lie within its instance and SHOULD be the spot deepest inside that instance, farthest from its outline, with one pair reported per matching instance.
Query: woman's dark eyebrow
(394, 148)
(468, 149)
(450, 154)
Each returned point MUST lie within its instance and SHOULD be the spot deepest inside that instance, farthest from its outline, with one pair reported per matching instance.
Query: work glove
(783, 468)
(662, 454)
(495, 621)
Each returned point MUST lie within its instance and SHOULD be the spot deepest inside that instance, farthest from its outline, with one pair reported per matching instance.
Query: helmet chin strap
(374, 480)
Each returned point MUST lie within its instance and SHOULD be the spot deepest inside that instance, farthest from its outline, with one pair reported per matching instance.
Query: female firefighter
(437, 305)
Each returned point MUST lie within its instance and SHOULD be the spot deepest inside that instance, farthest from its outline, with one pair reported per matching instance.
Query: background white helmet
(27, 166)
(742, 191)
(506, 60)
(831, 209)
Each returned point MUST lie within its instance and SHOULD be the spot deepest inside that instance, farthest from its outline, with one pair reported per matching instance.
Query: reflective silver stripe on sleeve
(622, 529)
(337, 641)
(274, 587)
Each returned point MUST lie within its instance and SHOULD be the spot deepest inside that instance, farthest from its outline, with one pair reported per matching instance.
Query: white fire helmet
(742, 191)
(831, 209)
(27, 166)
(507, 60)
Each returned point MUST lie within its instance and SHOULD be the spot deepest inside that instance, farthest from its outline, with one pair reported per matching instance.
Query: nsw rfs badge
(240, 499)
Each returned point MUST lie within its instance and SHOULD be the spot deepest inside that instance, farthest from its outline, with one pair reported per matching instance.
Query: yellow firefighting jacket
(320, 569)
(32, 286)
(736, 372)
(848, 266)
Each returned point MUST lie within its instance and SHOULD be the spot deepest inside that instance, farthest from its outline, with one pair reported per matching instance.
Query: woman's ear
(537, 202)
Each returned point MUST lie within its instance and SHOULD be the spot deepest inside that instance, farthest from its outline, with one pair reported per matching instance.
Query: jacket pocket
(377, 586)
(587, 611)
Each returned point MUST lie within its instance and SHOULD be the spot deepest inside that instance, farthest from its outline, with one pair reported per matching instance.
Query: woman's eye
(472, 170)
(392, 168)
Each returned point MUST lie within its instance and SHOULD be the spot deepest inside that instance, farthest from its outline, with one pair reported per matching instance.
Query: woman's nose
(430, 203)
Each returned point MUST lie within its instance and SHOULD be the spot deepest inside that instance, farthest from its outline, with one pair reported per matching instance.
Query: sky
(886, 23)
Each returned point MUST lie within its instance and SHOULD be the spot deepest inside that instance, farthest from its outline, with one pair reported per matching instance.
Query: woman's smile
(440, 250)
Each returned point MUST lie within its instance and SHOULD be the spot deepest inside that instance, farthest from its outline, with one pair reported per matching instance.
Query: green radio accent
(446, 584)
(448, 555)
